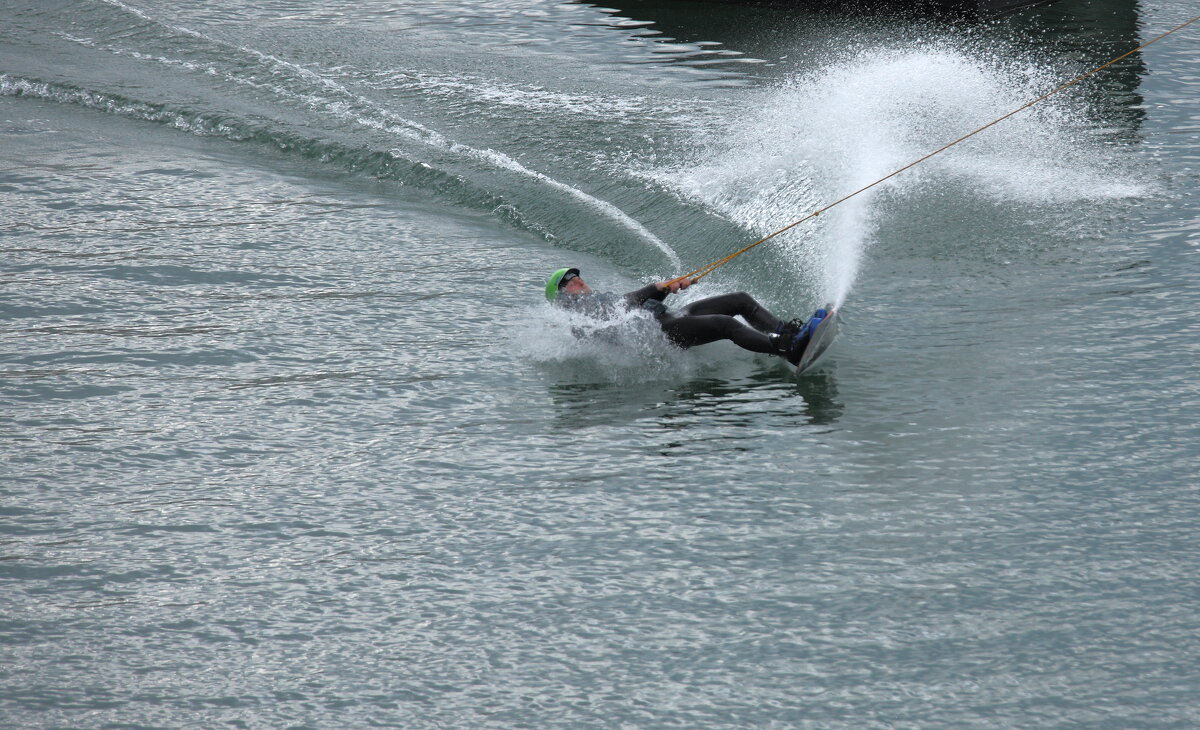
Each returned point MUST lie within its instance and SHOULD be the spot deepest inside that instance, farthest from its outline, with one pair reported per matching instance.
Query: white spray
(821, 136)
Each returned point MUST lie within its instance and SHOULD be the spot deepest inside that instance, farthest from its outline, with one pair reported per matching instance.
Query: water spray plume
(843, 287)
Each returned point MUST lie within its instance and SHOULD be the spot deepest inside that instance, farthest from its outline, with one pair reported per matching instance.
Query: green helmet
(555, 282)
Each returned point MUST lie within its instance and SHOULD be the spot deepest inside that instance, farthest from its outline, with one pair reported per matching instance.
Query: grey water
(291, 439)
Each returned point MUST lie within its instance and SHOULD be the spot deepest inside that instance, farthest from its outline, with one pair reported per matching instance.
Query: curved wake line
(395, 124)
(389, 165)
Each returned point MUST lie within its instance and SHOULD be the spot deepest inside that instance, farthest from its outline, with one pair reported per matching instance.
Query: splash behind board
(822, 338)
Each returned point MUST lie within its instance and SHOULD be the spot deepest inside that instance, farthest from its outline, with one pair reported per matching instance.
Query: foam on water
(818, 137)
(628, 347)
(528, 98)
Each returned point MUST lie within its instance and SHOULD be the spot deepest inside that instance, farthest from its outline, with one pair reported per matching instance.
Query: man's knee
(731, 304)
(745, 301)
(741, 303)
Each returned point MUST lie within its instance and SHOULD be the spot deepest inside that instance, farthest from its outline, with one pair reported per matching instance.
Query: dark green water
(290, 438)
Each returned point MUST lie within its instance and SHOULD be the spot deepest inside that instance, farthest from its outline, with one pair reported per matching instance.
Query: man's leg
(736, 304)
(693, 330)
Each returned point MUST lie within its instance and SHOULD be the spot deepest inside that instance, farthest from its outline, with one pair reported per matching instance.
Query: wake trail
(385, 120)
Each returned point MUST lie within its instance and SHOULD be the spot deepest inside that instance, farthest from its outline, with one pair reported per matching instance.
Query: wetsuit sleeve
(637, 298)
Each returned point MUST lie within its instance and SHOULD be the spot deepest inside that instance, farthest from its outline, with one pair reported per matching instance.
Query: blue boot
(798, 334)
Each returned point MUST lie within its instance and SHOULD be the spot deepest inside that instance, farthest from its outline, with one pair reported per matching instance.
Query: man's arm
(657, 291)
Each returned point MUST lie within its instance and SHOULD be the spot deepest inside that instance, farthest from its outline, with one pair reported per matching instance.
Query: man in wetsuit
(699, 323)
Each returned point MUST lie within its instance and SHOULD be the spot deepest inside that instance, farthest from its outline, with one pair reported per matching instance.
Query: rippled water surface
(290, 438)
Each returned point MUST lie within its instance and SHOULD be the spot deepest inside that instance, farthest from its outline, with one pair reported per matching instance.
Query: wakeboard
(820, 341)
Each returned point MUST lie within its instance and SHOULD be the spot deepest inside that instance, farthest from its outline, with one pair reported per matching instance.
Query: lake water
(291, 438)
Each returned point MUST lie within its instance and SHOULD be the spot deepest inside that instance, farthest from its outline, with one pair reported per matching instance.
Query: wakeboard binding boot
(794, 336)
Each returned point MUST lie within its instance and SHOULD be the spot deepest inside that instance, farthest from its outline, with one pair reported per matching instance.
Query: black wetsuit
(699, 323)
